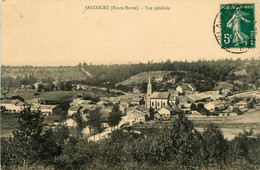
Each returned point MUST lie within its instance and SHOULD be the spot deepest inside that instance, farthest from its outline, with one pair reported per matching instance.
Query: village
(134, 107)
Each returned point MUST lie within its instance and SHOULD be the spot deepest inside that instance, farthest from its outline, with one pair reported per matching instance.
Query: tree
(27, 136)
(30, 144)
(250, 105)
(95, 119)
(237, 110)
(216, 146)
(193, 106)
(185, 142)
(115, 116)
(78, 118)
(200, 107)
(40, 88)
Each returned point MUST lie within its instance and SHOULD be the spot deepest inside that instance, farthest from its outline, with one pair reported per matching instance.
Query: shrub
(216, 147)
(237, 110)
(250, 105)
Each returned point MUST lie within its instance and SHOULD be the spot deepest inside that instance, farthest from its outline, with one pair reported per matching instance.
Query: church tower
(148, 95)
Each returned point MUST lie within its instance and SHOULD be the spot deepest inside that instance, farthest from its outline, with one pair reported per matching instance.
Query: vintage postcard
(130, 84)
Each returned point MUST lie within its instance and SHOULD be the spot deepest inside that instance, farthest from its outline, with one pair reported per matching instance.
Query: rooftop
(74, 108)
(44, 106)
(199, 96)
(160, 95)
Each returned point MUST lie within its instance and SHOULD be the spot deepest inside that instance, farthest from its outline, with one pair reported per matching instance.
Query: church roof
(160, 95)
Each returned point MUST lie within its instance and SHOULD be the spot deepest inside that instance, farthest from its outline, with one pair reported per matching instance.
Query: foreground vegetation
(178, 146)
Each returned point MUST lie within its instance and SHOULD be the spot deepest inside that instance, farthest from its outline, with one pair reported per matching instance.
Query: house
(48, 109)
(226, 92)
(173, 80)
(157, 116)
(133, 116)
(81, 87)
(80, 102)
(73, 110)
(168, 111)
(89, 106)
(181, 89)
(124, 103)
(159, 79)
(232, 114)
(26, 87)
(114, 100)
(199, 97)
(215, 105)
(105, 102)
(136, 101)
(13, 105)
(70, 123)
(37, 84)
(195, 112)
(241, 104)
(173, 99)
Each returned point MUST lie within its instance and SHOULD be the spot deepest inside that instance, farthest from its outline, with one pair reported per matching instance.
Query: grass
(60, 95)
(9, 122)
(143, 77)
(232, 125)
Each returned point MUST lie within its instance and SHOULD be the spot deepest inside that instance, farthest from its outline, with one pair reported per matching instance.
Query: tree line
(204, 73)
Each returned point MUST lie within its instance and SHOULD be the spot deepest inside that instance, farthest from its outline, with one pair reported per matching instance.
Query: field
(62, 72)
(29, 96)
(143, 77)
(233, 125)
(9, 122)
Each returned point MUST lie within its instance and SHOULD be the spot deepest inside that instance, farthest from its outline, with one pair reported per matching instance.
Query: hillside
(203, 74)
(143, 77)
(55, 73)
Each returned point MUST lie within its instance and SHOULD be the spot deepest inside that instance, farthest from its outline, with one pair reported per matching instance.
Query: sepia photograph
(130, 84)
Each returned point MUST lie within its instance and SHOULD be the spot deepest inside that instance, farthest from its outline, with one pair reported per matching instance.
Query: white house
(13, 105)
(80, 102)
(199, 97)
(73, 110)
(48, 109)
(133, 116)
(215, 105)
(70, 123)
(168, 111)
(136, 101)
(185, 87)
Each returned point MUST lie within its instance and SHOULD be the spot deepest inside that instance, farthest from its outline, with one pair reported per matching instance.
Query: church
(158, 100)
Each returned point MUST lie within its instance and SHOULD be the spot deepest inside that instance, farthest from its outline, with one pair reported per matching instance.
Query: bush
(178, 146)
(250, 105)
(216, 147)
(237, 110)
(193, 106)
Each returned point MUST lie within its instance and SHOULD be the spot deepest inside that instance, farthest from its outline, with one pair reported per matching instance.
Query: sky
(61, 32)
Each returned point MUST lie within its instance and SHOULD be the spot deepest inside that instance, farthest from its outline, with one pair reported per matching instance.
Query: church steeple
(148, 94)
(149, 87)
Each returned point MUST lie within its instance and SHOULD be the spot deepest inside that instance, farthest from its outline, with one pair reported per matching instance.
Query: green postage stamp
(236, 27)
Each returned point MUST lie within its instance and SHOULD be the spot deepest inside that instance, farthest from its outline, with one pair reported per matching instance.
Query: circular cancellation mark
(234, 27)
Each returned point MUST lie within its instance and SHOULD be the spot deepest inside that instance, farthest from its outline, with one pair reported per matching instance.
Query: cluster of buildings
(138, 107)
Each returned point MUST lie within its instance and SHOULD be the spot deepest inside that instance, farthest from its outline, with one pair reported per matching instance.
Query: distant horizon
(126, 63)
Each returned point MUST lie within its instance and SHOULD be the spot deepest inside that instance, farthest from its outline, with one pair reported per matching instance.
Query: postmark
(234, 27)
